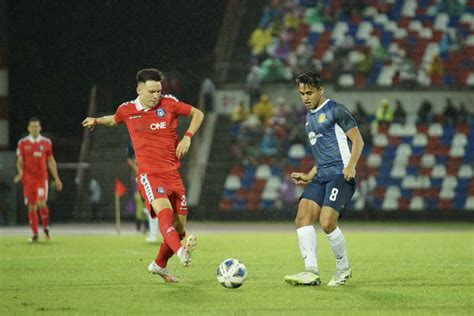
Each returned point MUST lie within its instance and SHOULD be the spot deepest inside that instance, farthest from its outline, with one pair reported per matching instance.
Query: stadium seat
(380, 140)
(438, 171)
(469, 206)
(263, 172)
(465, 171)
(435, 130)
(417, 204)
(232, 183)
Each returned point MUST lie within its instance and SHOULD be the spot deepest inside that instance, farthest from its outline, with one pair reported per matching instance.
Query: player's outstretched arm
(357, 145)
(196, 120)
(92, 122)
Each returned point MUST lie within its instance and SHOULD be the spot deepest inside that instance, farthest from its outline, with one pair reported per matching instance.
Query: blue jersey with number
(326, 127)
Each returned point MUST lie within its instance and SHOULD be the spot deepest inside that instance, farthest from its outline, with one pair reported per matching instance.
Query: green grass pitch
(407, 272)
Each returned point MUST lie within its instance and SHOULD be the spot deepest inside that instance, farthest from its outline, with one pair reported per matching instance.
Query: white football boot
(189, 246)
(162, 272)
(340, 277)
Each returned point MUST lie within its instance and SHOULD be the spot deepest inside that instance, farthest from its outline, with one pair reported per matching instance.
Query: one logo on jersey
(135, 116)
(155, 126)
(160, 113)
(322, 118)
(160, 190)
(41, 147)
(313, 137)
(37, 154)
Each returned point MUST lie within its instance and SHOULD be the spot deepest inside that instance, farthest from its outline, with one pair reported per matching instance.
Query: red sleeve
(119, 114)
(49, 150)
(19, 149)
(183, 109)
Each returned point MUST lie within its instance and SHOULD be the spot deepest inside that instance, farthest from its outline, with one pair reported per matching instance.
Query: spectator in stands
(464, 115)
(450, 113)
(239, 113)
(208, 91)
(384, 113)
(280, 111)
(95, 196)
(365, 63)
(399, 115)
(269, 144)
(263, 109)
(360, 114)
(253, 84)
(273, 69)
(259, 40)
(436, 70)
(425, 113)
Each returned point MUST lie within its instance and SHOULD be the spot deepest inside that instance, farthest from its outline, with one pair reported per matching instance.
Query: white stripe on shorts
(147, 186)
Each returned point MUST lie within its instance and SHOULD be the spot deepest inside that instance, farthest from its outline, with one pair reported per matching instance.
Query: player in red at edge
(151, 120)
(33, 153)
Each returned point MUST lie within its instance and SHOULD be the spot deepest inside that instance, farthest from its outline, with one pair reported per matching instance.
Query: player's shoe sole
(164, 273)
(304, 278)
(188, 248)
(340, 277)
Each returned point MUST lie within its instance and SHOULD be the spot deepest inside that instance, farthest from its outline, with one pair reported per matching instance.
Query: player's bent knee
(328, 226)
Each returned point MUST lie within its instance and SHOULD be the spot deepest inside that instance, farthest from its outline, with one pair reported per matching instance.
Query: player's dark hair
(34, 119)
(149, 74)
(310, 78)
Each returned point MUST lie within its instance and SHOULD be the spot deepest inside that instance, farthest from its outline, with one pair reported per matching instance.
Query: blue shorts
(334, 192)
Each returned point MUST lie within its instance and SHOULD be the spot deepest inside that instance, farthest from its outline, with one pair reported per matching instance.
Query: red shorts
(154, 186)
(34, 192)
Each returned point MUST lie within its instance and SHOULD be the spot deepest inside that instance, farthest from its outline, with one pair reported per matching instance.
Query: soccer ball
(231, 273)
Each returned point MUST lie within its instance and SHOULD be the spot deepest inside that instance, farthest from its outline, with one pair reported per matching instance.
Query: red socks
(44, 213)
(169, 233)
(33, 219)
(165, 253)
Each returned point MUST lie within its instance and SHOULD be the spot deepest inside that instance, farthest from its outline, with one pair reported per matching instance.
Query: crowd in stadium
(366, 43)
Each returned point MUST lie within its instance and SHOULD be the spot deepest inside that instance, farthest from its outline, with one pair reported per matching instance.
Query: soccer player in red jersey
(151, 120)
(34, 152)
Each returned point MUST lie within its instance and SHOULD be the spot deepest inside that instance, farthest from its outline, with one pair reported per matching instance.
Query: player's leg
(43, 208)
(307, 213)
(30, 194)
(338, 194)
(153, 227)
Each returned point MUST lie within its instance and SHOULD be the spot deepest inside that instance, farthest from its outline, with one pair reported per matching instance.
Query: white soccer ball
(231, 273)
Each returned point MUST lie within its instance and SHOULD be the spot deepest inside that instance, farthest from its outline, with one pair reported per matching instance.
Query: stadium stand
(414, 161)
(366, 43)
(409, 167)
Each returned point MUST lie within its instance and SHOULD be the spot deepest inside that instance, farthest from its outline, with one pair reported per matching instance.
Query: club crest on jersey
(160, 190)
(160, 113)
(322, 118)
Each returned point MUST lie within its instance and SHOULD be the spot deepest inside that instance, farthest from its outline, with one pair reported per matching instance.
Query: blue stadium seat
(417, 150)
(431, 204)
(406, 193)
(436, 182)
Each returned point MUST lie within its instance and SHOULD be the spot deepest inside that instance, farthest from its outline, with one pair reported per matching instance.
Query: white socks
(338, 245)
(308, 247)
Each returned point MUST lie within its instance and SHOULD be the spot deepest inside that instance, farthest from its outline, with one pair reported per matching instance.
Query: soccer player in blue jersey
(336, 144)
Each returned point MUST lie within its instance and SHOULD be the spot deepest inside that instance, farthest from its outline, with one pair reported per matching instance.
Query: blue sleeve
(343, 118)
